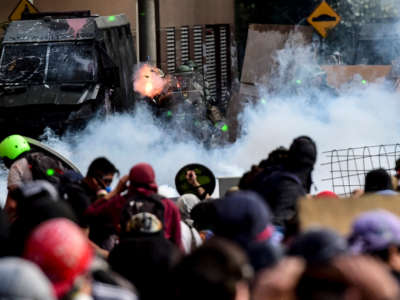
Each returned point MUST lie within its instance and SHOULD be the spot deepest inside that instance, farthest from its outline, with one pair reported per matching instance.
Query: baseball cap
(374, 231)
(243, 217)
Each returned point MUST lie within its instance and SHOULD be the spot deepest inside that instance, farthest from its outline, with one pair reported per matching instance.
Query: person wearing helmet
(21, 279)
(12, 151)
(184, 69)
(192, 64)
(64, 254)
(61, 250)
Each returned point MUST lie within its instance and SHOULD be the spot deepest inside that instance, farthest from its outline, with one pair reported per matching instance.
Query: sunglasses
(107, 180)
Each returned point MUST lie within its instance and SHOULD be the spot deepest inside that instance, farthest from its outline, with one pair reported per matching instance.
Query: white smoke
(128, 139)
(359, 117)
(356, 119)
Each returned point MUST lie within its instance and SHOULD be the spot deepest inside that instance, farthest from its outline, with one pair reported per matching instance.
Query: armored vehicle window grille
(171, 49)
(185, 44)
(198, 45)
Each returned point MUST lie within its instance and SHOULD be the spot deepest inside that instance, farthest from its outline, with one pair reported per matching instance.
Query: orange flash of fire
(148, 81)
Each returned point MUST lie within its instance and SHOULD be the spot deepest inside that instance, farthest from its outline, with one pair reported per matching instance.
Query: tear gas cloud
(360, 116)
(363, 114)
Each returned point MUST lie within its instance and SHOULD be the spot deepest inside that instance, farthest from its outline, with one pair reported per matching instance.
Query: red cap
(61, 250)
(327, 194)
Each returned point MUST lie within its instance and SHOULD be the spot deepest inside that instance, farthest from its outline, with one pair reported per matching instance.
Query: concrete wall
(172, 12)
(196, 12)
(100, 7)
(7, 6)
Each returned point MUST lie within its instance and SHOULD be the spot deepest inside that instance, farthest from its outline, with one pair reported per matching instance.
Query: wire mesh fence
(348, 167)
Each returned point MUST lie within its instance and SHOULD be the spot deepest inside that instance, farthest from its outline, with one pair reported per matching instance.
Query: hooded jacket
(281, 188)
(142, 183)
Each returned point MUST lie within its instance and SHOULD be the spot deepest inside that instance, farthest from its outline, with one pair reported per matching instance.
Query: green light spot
(263, 101)
(298, 81)
(142, 14)
(111, 19)
(224, 128)
(50, 172)
(169, 113)
(364, 81)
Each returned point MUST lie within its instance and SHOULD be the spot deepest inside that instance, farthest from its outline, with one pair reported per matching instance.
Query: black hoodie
(283, 186)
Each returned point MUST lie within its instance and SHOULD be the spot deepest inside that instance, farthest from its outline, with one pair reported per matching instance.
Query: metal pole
(147, 30)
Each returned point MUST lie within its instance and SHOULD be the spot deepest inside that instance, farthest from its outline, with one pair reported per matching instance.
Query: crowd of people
(68, 236)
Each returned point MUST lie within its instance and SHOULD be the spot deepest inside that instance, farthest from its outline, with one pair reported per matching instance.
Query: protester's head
(186, 203)
(204, 215)
(302, 153)
(12, 147)
(64, 254)
(29, 193)
(216, 270)
(21, 279)
(103, 171)
(377, 180)
(348, 277)
(243, 217)
(327, 194)
(246, 182)
(376, 233)
(72, 192)
(38, 201)
(276, 157)
(318, 246)
(142, 178)
(35, 191)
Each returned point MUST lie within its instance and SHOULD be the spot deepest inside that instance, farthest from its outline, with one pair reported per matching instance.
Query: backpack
(139, 204)
(45, 167)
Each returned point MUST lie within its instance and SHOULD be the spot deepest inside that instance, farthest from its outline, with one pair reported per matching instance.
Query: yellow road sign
(24, 6)
(323, 19)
